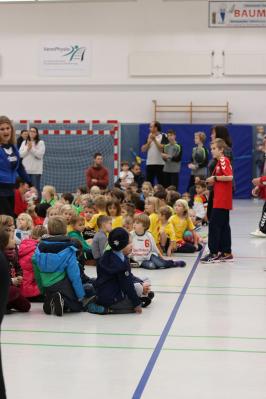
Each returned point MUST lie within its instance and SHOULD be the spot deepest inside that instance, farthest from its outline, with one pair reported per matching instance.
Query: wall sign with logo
(231, 14)
(65, 59)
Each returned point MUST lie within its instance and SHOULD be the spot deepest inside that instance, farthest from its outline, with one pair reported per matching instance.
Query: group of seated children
(130, 226)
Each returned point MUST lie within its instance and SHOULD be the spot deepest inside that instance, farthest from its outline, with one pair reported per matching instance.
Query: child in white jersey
(144, 250)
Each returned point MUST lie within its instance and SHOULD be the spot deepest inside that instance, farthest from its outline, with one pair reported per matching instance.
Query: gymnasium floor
(203, 337)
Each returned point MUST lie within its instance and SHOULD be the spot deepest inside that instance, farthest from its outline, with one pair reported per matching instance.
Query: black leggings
(154, 171)
(262, 224)
(4, 287)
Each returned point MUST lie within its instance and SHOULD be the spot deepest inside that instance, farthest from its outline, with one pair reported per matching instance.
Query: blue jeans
(36, 182)
(156, 262)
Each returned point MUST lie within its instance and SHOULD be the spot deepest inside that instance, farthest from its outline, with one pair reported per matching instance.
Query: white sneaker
(258, 233)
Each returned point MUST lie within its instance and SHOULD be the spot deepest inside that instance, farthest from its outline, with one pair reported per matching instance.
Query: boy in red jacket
(219, 239)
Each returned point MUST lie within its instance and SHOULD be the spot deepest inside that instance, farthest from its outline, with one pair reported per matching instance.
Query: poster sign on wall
(70, 58)
(231, 14)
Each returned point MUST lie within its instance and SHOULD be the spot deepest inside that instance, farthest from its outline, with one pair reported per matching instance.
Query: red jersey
(262, 188)
(20, 204)
(223, 190)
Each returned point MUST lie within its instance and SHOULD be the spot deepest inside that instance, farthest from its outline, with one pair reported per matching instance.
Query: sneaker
(226, 258)
(134, 264)
(57, 304)
(47, 306)
(145, 301)
(87, 300)
(211, 258)
(179, 263)
(96, 309)
(258, 233)
(151, 295)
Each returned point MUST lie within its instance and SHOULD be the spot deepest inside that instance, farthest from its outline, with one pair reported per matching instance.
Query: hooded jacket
(115, 280)
(29, 287)
(55, 259)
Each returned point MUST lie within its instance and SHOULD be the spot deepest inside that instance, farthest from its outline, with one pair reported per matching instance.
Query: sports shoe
(179, 263)
(151, 295)
(96, 309)
(211, 258)
(134, 264)
(145, 301)
(47, 306)
(226, 258)
(87, 300)
(258, 233)
(57, 304)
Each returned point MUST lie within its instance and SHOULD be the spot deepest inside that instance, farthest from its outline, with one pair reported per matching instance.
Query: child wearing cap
(118, 290)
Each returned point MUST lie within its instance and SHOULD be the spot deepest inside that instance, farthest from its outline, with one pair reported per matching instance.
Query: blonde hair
(57, 226)
(220, 143)
(5, 119)
(67, 208)
(75, 219)
(51, 209)
(95, 190)
(184, 204)
(6, 220)
(100, 203)
(147, 183)
(166, 212)
(143, 219)
(201, 135)
(51, 190)
(153, 201)
(28, 219)
(38, 232)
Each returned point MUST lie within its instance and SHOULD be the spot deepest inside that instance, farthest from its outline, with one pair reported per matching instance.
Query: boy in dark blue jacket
(118, 290)
(57, 271)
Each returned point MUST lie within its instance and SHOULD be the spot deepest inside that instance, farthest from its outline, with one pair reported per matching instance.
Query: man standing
(97, 174)
(154, 148)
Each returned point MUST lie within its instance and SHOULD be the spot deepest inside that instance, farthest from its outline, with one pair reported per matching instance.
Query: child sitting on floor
(29, 287)
(24, 227)
(181, 223)
(99, 243)
(57, 271)
(100, 206)
(118, 290)
(113, 209)
(77, 224)
(167, 232)
(145, 253)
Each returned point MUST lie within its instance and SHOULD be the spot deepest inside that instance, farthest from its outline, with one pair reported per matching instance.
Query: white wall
(114, 30)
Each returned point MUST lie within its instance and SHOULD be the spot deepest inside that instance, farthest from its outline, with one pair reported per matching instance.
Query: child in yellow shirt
(181, 223)
(100, 206)
(166, 232)
(151, 209)
(113, 209)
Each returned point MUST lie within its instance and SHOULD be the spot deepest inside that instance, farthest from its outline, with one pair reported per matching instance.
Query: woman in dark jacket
(218, 132)
(4, 287)
(10, 166)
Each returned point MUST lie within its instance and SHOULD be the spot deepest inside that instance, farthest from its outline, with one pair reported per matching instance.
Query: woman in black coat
(4, 287)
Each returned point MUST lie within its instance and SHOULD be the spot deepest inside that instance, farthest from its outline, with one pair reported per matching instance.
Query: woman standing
(32, 151)
(218, 132)
(23, 136)
(4, 286)
(10, 166)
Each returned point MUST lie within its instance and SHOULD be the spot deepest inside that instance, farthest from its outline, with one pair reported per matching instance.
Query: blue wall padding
(242, 137)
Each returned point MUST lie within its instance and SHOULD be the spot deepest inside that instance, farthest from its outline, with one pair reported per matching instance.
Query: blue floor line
(157, 350)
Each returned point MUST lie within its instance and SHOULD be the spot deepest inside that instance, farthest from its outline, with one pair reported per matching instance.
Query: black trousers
(66, 290)
(210, 204)
(4, 287)
(7, 205)
(262, 223)
(171, 179)
(154, 171)
(219, 231)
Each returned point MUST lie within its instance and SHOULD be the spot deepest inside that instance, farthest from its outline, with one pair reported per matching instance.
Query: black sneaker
(47, 306)
(96, 309)
(211, 258)
(179, 263)
(57, 304)
(145, 301)
(151, 295)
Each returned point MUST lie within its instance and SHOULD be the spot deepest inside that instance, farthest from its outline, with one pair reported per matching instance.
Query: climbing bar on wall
(192, 109)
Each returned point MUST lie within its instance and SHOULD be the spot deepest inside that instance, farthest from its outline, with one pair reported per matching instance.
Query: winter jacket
(115, 280)
(33, 158)
(55, 258)
(29, 287)
(11, 255)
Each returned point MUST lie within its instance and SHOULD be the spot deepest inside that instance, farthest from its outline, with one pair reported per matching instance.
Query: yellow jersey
(154, 226)
(181, 225)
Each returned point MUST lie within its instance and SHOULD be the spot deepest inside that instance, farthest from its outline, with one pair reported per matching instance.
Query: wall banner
(237, 14)
(68, 58)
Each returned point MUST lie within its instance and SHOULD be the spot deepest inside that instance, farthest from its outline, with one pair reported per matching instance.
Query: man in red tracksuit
(97, 175)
